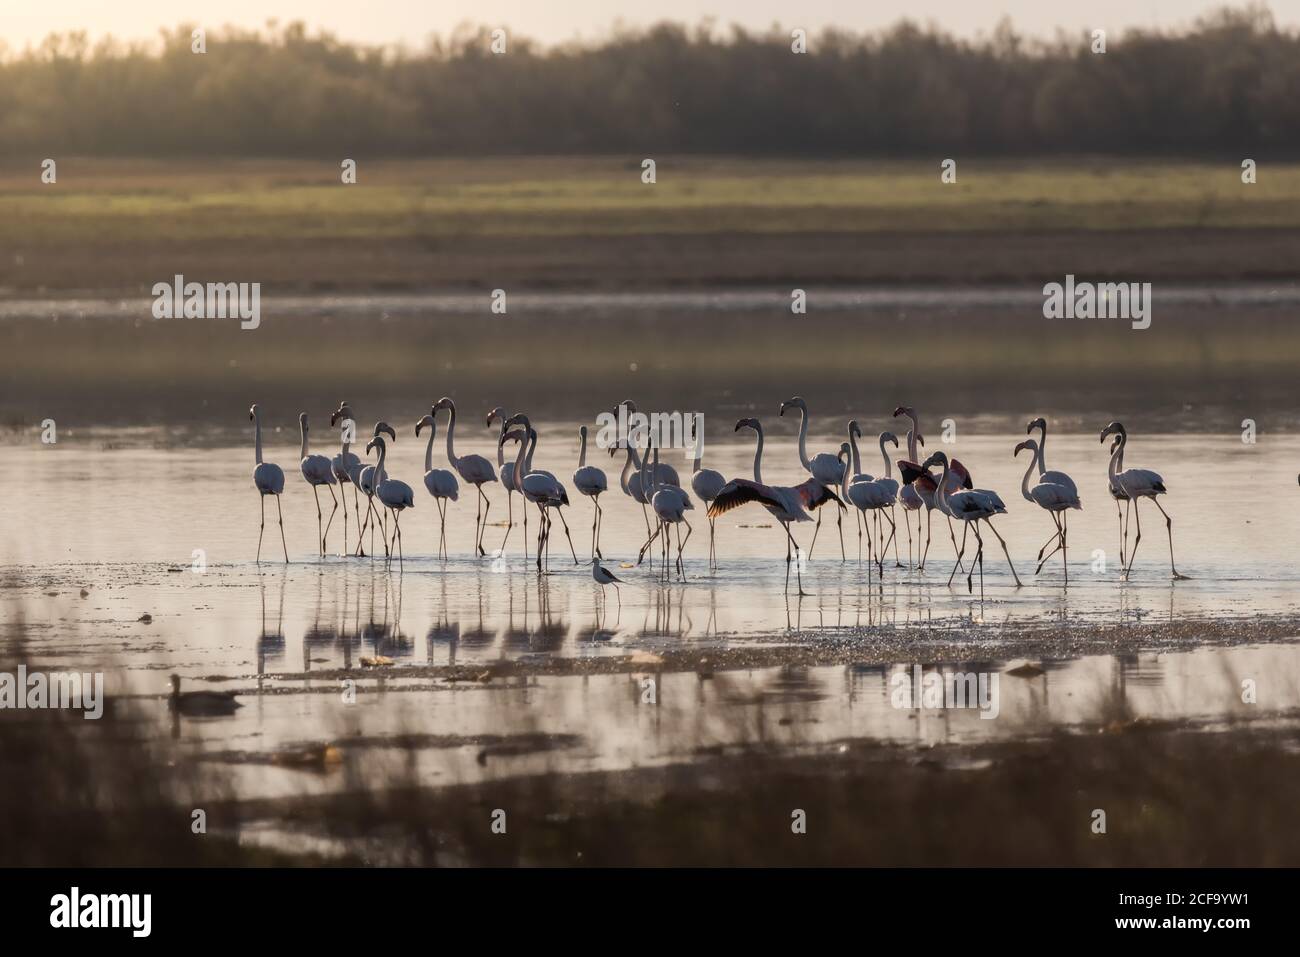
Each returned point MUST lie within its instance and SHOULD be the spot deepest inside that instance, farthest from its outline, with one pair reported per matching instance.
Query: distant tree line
(1229, 84)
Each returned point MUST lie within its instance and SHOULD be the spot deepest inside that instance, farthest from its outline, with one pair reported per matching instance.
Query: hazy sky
(386, 21)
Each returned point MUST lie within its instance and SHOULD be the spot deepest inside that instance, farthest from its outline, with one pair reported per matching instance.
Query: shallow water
(124, 524)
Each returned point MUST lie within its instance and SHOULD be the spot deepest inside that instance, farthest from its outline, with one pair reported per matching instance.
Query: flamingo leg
(960, 552)
(1132, 556)
(1065, 545)
(343, 494)
(813, 543)
(356, 512)
(979, 560)
(798, 571)
(839, 521)
(487, 508)
(1169, 526)
(262, 501)
(320, 538)
(567, 535)
(326, 536)
(1042, 559)
(280, 512)
(909, 537)
(1010, 565)
(681, 545)
(893, 537)
(928, 519)
(510, 520)
(859, 536)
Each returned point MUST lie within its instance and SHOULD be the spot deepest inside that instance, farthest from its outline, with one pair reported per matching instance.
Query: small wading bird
(473, 469)
(971, 506)
(706, 484)
(318, 470)
(441, 483)
(590, 481)
(201, 704)
(394, 494)
(1057, 498)
(368, 480)
(347, 466)
(1137, 484)
(269, 479)
(785, 504)
(603, 577)
(824, 467)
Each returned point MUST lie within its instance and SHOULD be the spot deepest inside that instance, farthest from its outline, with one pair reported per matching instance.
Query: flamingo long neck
(646, 476)
(885, 455)
(521, 462)
(1041, 456)
(257, 436)
(941, 493)
(451, 428)
(343, 438)
(844, 479)
(625, 477)
(428, 449)
(379, 469)
(1024, 482)
(582, 452)
(758, 457)
(803, 438)
(1116, 460)
(303, 426)
(654, 474)
(911, 437)
(532, 447)
(501, 446)
(857, 462)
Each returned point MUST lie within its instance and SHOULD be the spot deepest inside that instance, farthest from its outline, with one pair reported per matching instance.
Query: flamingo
(394, 494)
(1119, 495)
(1138, 484)
(927, 486)
(1049, 475)
(1056, 497)
(269, 479)
(507, 471)
(474, 470)
(634, 486)
(706, 484)
(969, 505)
(889, 485)
(910, 495)
(865, 494)
(441, 483)
(824, 467)
(347, 465)
(590, 481)
(318, 470)
(367, 480)
(784, 503)
(670, 504)
(539, 487)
